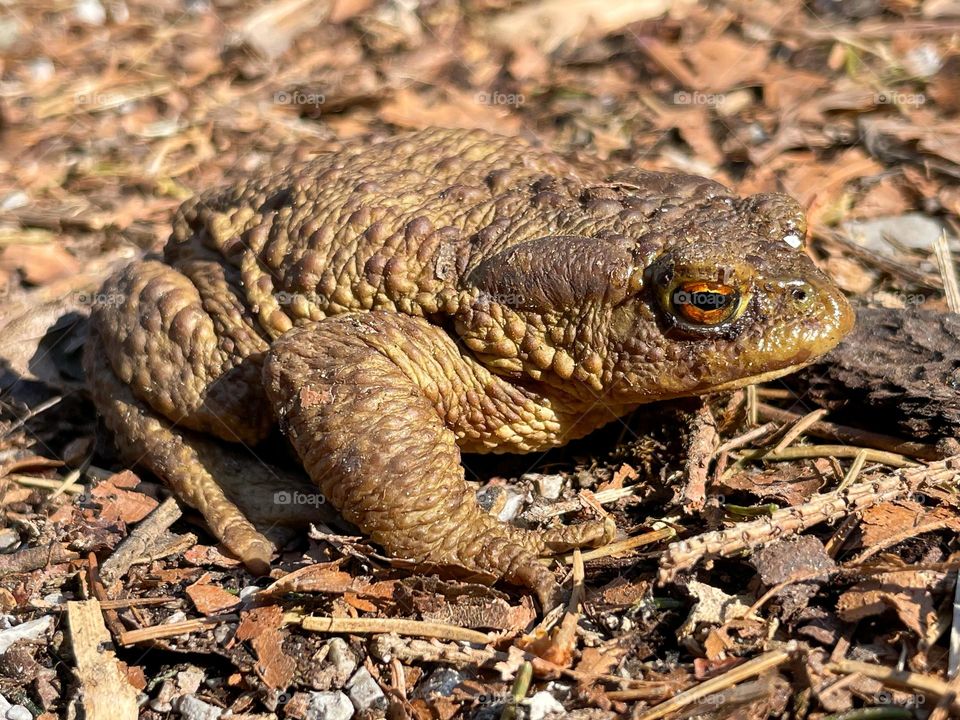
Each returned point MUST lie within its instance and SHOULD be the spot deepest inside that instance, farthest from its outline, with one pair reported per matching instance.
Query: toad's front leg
(376, 405)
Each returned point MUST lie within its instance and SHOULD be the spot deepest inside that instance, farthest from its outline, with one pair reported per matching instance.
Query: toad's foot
(377, 406)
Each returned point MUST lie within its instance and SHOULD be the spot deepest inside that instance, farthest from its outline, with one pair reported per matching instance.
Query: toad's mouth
(756, 379)
(724, 386)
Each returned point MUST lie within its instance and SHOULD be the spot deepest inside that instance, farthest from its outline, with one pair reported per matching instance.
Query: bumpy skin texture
(393, 304)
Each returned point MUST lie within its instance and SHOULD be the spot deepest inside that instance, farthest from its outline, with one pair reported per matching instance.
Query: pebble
(441, 681)
(542, 705)
(341, 658)
(90, 12)
(9, 539)
(924, 60)
(914, 230)
(511, 508)
(550, 486)
(364, 692)
(188, 681)
(11, 30)
(559, 691)
(329, 706)
(193, 708)
(30, 630)
(14, 201)
(18, 712)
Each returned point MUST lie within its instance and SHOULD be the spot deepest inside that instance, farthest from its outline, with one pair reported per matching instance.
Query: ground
(785, 551)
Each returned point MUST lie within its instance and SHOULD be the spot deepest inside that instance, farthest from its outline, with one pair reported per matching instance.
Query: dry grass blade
(158, 632)
(897, 679)
(749, 669)
(375, 626)
(798, 429)
(837, 451)
(948, 271)
(854, 436)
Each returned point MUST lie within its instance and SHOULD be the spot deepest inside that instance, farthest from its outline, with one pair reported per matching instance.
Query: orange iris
(702, 302)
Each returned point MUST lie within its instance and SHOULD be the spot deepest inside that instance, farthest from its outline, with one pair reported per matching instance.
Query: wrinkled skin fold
(391, 305)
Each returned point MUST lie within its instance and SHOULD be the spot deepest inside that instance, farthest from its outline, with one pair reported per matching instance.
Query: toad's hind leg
(375, 405)
(162, 361)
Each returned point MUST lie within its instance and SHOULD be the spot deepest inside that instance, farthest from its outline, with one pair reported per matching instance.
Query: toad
(391, 305)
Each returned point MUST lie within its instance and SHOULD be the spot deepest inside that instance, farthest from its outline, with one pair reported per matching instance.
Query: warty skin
(393, 304)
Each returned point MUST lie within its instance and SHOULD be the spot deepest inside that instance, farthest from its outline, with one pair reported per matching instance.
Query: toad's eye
(704, 303)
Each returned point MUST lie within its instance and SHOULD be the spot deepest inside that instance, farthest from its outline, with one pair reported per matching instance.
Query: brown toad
(394, 304)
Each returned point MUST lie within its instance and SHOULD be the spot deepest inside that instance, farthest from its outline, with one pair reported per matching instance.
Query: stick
(105, 693)
(684, 554)
(817, 451)
(140, 540)
(376, 626)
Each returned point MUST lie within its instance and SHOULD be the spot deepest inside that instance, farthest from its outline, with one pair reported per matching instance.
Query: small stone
(18, 712)
(542, 705)
(559, 691)
(248, 591)
(341, 659)
(193, 708)
(511, 508)
(914, 230)
(329, 706)
(924, 60)
(30, 630)
(14, 201)
(41, 69)
(162, 702)
(365, 693)
(188, 681)
(4, 705)
(90, 12)
(440, 682)
(10, 31)
(9, 539)
(549, 486)
(223, 633)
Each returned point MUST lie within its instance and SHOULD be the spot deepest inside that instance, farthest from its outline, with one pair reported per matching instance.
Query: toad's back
(392, 226)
